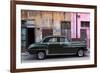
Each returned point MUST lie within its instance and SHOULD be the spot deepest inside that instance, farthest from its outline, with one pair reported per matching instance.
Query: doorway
(30, 36)
(83, 33)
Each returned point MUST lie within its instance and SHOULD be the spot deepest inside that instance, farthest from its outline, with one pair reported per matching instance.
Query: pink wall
(83, 17)
(76, 24)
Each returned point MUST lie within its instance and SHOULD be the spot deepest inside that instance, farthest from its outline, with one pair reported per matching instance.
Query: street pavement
(27, 58)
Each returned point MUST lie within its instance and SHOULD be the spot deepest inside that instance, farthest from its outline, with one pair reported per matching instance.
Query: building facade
(35, 25)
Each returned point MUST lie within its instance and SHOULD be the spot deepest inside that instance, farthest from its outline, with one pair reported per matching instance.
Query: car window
(52, 40)
(63, 40)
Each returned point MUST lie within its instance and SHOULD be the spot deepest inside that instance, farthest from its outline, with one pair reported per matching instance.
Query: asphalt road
(25, 58)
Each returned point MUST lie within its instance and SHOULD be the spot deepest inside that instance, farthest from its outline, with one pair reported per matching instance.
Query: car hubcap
(41, 55)
(80, 53)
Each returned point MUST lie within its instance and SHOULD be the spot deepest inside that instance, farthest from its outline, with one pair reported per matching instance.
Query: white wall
(5, 36)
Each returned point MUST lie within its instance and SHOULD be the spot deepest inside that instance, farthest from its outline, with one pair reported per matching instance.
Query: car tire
(80, 52)
(41, 55)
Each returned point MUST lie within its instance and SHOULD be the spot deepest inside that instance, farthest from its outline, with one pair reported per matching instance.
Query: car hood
(33, 45)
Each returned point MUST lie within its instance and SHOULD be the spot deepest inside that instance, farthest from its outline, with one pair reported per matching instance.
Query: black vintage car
(57, 45)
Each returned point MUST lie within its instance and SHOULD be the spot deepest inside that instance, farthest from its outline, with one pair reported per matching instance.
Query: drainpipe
(76, 24)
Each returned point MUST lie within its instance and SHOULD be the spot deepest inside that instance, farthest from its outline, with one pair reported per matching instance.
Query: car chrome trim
(63, 54)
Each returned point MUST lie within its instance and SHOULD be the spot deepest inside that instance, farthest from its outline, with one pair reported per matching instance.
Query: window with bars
(85, 24)
(65, 25)
(66, 29)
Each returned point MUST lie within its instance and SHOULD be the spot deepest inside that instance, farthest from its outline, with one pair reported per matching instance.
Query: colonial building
(38, 24)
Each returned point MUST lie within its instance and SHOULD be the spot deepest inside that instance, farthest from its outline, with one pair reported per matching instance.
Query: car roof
(56, 36)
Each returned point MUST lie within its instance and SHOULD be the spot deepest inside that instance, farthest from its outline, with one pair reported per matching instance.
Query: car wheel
(80, 53)
(41, 55)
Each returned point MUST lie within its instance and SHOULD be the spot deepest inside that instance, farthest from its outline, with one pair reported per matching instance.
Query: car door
(53, 46)
(66, 47)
